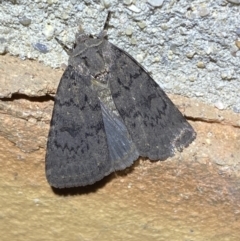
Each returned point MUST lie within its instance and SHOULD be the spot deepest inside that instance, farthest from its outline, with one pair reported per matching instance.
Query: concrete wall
(190, 47)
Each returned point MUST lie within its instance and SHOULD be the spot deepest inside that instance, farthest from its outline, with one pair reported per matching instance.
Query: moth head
(80, 36)
(88, 55)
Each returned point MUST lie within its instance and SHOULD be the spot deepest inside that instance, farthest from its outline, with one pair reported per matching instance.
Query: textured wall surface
(174, 200)
(190, 47)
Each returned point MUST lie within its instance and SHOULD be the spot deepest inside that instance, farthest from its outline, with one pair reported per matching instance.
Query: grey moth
(108, 111)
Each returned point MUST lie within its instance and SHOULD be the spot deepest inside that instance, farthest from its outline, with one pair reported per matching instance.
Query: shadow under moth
(108, 111)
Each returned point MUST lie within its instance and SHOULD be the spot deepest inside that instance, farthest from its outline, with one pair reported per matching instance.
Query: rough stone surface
(190, 47)
(25, 79)
(184, 198)
(193, 196)
(155, 3)
(234, 1)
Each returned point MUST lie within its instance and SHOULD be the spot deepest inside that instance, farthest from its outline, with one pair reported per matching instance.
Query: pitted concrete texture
(192, 48)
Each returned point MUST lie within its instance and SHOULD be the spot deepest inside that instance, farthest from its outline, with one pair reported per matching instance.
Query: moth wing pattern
(122, 150)
(77, 151)
(108, 111)
(86, 141)
(156, 126)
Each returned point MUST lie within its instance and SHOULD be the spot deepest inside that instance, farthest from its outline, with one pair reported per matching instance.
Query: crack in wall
(46, 98)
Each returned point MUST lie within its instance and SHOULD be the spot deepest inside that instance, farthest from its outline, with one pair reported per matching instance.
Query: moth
(108, 111)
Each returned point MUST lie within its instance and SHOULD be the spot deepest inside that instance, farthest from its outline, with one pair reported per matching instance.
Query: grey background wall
(191, 48)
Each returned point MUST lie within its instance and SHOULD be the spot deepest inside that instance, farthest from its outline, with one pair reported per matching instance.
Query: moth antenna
(64, 46)
(106, 24)
(103, 33)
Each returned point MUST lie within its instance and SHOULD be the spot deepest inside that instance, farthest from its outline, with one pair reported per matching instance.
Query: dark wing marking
(122, 150)
(77, 151)
(156, 126)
